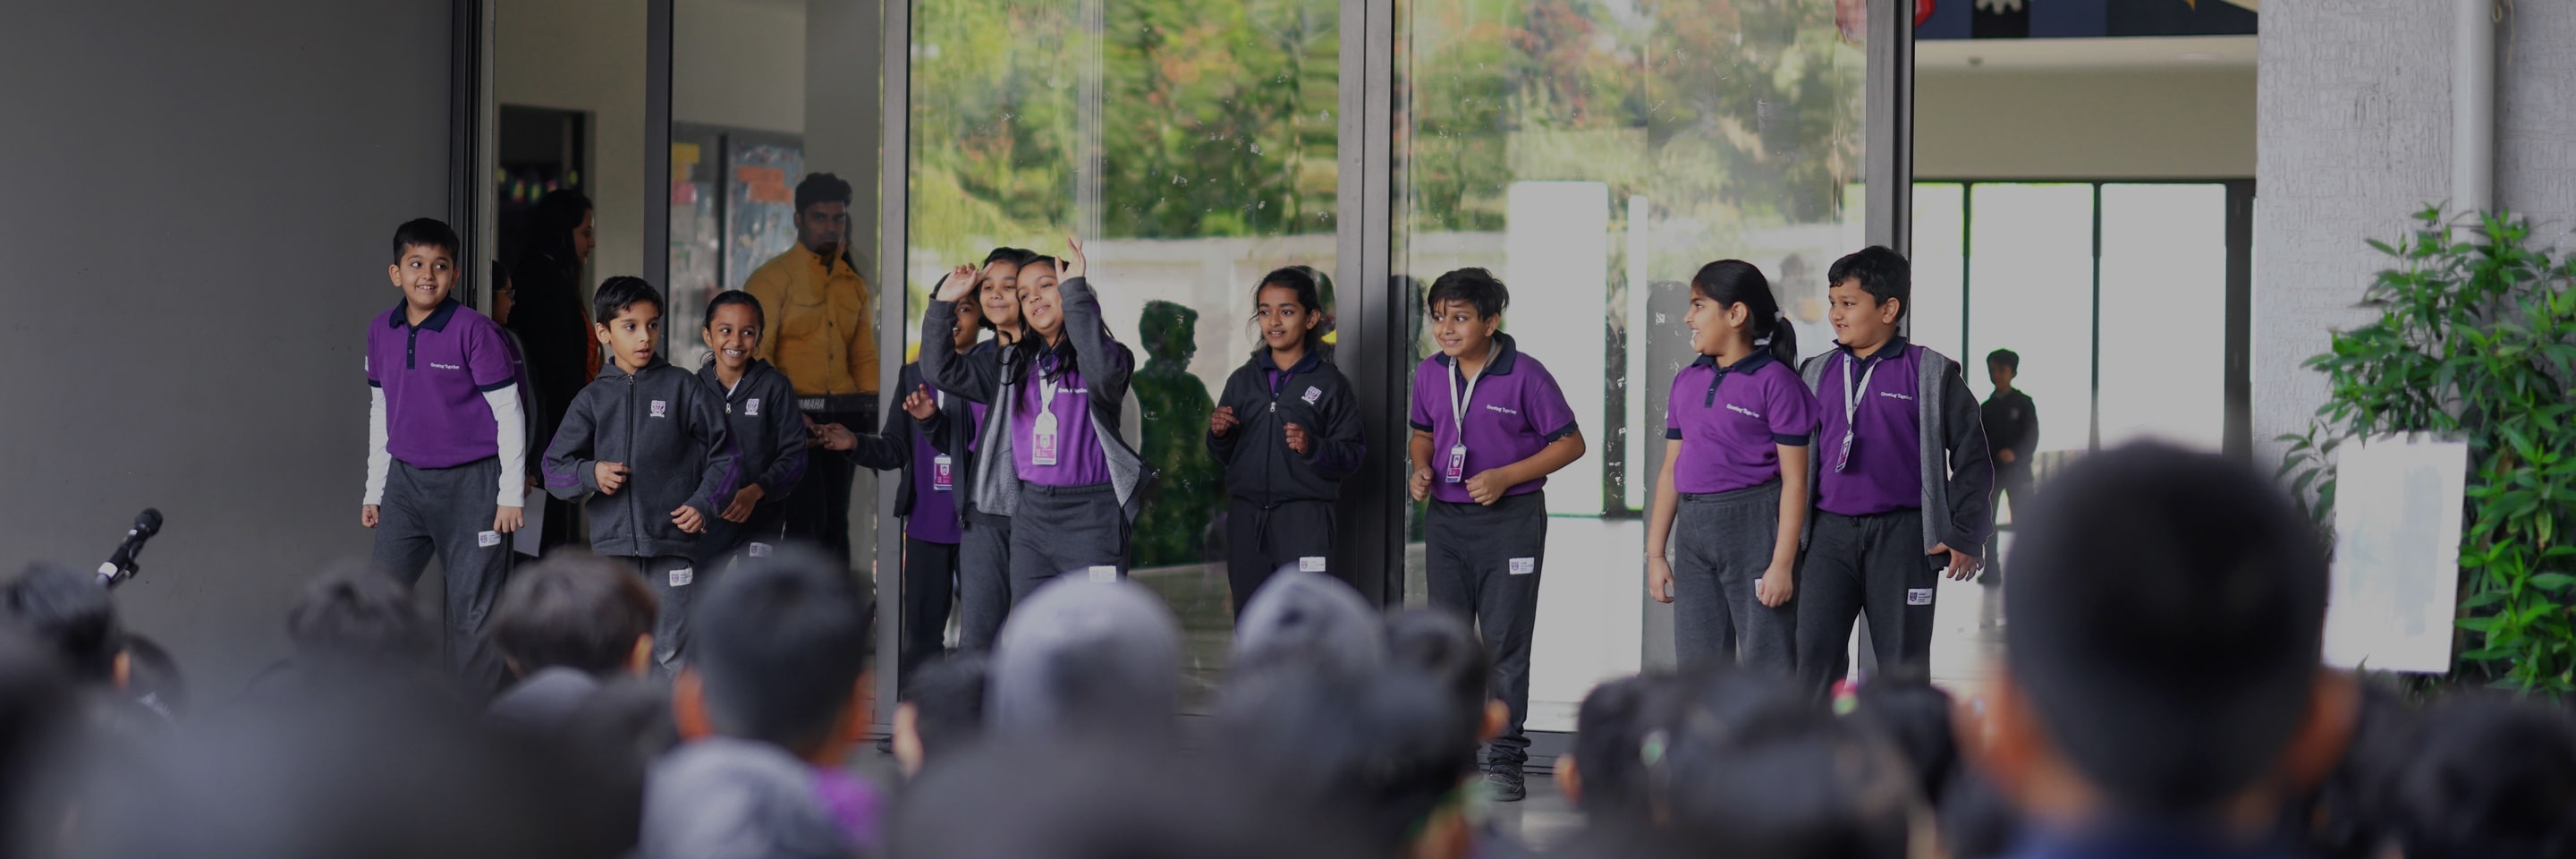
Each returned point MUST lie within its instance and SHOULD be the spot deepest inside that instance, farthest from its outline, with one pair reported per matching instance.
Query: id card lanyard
(1457, 471)
(1044, 434)
(943, 474)
(1851, 407)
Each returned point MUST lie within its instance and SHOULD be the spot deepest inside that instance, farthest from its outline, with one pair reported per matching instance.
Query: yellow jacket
(817, 328)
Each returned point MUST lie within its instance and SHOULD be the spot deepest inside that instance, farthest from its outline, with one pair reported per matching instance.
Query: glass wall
(1585, 151)
(1193, 146)
(2113, 294)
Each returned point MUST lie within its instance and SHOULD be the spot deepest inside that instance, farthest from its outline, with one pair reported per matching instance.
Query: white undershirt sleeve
(379, 460)
(512, 439)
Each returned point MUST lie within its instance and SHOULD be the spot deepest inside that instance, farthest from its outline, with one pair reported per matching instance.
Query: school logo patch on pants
(1918, 596)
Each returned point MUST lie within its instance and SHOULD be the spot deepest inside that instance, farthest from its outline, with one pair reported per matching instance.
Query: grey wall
(2353, 134)
(194, 238)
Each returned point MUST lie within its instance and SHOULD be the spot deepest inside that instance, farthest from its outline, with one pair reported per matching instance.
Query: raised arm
(965, 376)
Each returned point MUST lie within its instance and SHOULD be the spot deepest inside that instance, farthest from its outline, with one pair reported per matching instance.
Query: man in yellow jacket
(817, 330)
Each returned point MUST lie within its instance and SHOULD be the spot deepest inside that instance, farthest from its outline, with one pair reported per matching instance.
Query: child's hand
(740, 509)
(837, 437)
(1074, 264)
(367, 515)
(1963, 566)
(689, 520)
(610, 475)
(507, 520)
(2006, 456)
(1775, 588)
(920, 404)
(960, 281)
(1487, 487)
(1297, 438)
(1222, 421)
(1422, 484)
(1659, 578)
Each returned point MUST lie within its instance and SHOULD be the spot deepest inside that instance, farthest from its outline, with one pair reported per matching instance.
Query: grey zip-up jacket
(1957, 469)
(995, 380)
(668, 428)
(767, 429)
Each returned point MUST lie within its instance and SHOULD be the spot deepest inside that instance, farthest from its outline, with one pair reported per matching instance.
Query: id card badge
(1457, 464)
(941, 478)
(1042, 442)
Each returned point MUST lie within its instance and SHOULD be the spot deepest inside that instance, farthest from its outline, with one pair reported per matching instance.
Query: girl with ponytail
(1735, 474)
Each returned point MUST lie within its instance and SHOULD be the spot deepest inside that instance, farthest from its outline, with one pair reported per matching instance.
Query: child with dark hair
(1784, 785)
(767, 430)
(1050, 802)
(1287, 430)
(2492, 778)
(1379, 748)
(1901, 477)
(2163, 692)
(447, 436)
(917, 442)
(1902, 706)
(505, 301)
(983, 526)
(648, 444)
(772, 703)
(1072, 488)
(565, 626)
(355, 624)
(1601, 776)
(1735, 475)
(2358, 812)
(942, 713)
(69, 612)
(2012, 438)
(1489, 425)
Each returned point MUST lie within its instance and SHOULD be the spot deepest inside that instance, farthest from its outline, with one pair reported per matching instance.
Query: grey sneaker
(1504, 782)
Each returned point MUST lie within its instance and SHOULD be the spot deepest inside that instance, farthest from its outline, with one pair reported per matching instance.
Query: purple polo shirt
(434, 376)
(1732, 421)
(1885, 471)
(1516, 411)
(934, 510)
(1078, 458)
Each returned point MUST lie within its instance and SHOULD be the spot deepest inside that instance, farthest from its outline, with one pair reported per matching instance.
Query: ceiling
(2136, 52)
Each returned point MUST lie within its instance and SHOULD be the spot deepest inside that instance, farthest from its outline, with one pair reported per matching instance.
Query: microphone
(120, 566)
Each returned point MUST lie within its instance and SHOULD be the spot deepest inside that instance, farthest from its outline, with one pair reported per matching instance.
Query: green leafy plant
(2473, 341)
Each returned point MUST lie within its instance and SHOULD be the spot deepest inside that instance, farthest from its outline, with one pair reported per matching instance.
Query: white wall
(2354, 135)
(739, 63)
(585, 55)
(2163, 122)
(194, 247)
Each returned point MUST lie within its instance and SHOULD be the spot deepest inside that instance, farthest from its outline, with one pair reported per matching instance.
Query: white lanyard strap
(1047, 389)
(1851, 406)
(1457, 400)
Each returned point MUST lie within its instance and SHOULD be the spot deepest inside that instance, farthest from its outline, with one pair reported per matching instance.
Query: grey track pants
(1864, 565)
(1486, 561)
(983, 580)
(1722, 545)
(1062, 530)
(447, 512)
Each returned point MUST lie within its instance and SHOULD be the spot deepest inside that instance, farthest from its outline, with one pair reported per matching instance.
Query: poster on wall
(2398, 502)
(760, 203)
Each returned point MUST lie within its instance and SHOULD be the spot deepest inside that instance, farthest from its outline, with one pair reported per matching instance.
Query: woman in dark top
(551, 319)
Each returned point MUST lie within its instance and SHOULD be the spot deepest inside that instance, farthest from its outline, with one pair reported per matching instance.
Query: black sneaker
(1504, 782)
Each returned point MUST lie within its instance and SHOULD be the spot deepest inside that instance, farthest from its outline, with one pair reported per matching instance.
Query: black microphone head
(149, 523)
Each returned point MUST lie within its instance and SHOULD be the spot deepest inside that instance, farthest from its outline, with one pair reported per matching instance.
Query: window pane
(1193, 144)
(1940, 260)
(1586, 151)
(2030, 290)
(2164, 313)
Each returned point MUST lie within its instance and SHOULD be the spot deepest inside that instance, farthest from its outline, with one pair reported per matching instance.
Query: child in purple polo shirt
(1055, 397)
(1735, 474)
(914, 442)
(447, 439)
(1902, 472)
(1489, 426)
